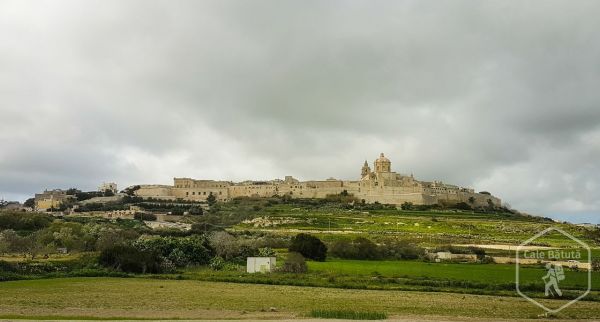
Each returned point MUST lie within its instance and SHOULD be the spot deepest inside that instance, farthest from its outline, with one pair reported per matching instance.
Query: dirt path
(505, 247)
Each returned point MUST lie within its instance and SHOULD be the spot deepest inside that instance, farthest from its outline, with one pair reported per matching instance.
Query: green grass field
(394, 288)
(79, 298)
(489, 273)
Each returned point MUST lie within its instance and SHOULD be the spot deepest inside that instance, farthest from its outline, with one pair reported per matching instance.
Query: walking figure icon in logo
(552, 278)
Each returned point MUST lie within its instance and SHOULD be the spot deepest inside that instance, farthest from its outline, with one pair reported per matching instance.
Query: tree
(13, 243)
(365, 248)
(107, 237)
(127, 258)
(29, 203)
(294, 263)
(34, 246)
(4, 246)
(224, 244)
(286, 198)
(211, 199)
(480, 252)
(309, 246)
(359, 248)
(180, 251)
(130, 191)
(406, 206)
(196, 211)
(176, 211)
(462, 206)
(24, 221)
(72, 191)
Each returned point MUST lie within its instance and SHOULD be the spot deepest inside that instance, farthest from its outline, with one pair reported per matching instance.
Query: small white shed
(260, 264)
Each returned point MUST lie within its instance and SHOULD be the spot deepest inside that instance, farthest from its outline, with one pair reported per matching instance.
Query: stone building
(108, 186)
(379, 184)
(51, 199)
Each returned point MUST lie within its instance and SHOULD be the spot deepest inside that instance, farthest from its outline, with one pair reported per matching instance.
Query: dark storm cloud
(501, 96)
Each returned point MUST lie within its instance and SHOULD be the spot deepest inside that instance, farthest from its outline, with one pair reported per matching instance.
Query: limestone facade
(378, 185)
(108, 186)
(51, 199)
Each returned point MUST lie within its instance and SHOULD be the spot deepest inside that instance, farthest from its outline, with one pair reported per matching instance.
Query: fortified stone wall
(382, 185)
(155, 191)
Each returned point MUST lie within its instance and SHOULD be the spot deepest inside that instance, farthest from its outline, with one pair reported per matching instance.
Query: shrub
(24, 221)
(398, 250)
(145, 216)
(343, 198)
(596, 264)
(217, 263)
(294, 263)
(196, 211)
(411, 252)
(348, 315)
(211, 199)
(407, 206)
(182, 251)
(130, 191)
(225, 245)
(309, 246)
(463, 206)
(237, 248)
(70, 235)
(359, 248)
(127, 258)
(487, 260)
(480, 252)
(266, 252)
(232, 267)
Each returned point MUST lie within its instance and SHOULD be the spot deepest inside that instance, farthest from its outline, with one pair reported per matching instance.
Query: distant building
(260, 264)
(51, 199)
(443, 256)
(13, 205)
(108, 186)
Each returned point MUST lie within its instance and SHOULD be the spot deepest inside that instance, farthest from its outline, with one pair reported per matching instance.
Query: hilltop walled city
(377, 184)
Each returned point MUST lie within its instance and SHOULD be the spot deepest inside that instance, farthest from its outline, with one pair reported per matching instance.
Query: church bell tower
(365, 170)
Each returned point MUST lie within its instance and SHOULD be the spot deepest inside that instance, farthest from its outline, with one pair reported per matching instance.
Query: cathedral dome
(383, 164)
(382, 158)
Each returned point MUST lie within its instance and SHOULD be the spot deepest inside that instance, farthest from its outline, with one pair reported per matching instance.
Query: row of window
(195, 186)
(202, 193)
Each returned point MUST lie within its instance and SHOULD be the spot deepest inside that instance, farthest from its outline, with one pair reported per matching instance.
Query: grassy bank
(79, 298)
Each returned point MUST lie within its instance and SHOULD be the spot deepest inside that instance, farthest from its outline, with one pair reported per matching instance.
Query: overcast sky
(501, 96)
